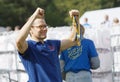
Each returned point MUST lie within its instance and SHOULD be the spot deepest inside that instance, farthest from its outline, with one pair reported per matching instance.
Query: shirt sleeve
(92, 50)
(26, 52)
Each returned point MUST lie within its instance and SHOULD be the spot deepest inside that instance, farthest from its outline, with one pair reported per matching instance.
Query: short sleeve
(26, 52)
(92, 50)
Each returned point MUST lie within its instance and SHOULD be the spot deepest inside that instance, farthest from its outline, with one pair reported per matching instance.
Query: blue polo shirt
(77, 58)
(41, 61)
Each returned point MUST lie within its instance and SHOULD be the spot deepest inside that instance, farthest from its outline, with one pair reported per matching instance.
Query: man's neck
(37, 40)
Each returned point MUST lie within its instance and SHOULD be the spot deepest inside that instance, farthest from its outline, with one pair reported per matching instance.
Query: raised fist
(73, 13)
(39, 13)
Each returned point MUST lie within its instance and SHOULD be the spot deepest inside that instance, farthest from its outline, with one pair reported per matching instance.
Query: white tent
(97, 16)
(2, 29)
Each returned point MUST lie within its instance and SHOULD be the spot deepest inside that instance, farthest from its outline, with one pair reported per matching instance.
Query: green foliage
(15, 12)
(106, 4)
(82, 5)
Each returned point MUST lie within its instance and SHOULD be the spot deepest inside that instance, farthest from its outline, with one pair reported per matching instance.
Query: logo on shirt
(51, 48)
(75, 52)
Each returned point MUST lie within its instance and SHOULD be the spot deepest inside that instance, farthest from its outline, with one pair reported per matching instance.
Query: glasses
(41, 27)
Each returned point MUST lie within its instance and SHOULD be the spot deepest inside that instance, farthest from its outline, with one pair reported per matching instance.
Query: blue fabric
(78, 57)
(86, 25)
(41, 61)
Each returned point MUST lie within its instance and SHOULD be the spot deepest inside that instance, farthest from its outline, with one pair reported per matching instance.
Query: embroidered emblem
(75, 52)
(51, 48)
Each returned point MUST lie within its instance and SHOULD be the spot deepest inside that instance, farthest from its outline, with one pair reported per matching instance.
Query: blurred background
(16, 12)
(99, 17)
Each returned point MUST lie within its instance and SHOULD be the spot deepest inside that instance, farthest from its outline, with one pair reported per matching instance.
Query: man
(86, 24)
(40, 57)
(77, 61)
(106, 23)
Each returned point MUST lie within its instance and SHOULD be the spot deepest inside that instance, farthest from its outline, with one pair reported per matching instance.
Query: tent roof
(97, 16)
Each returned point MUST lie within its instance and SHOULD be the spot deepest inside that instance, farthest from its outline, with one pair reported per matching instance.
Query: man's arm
(21, 43)
(95, 62)
(62, 64)
(69, 42)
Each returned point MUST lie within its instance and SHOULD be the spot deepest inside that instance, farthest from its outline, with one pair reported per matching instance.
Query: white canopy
(97, 16)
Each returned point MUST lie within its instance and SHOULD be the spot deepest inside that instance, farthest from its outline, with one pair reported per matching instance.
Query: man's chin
(43, 37)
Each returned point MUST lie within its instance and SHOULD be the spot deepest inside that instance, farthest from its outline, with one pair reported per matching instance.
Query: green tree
(116, 3)
(82, 5)
(106, 3)
(15, 12)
